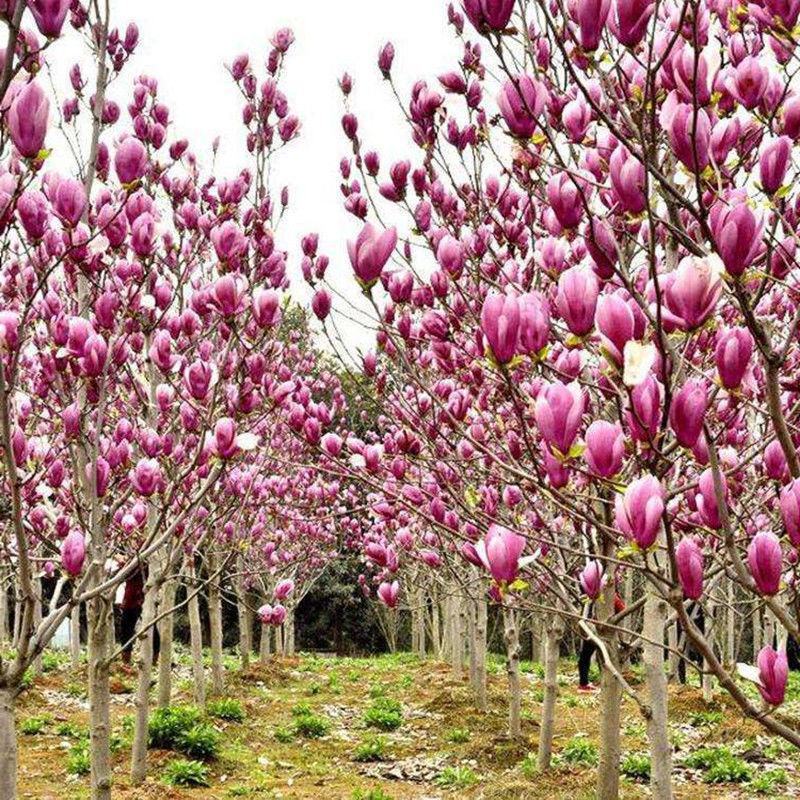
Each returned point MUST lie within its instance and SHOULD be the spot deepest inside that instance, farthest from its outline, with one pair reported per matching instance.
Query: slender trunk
(730, 626)
(75, 636)
(279, 640)
(674, 657)
(100, 637)
(610, 704)
(436, 626)
(512, 668)
(481, 626)
(196, 634)
(472, 613)
(653, 654)
(3, 606)
(215, 626)
(264, 646)
(37, 619)
(144, 663)
(245, 639)
(289, 630)
(708, 678)
(166, 631)
(456, 643)
(8, 746)
(552, 642)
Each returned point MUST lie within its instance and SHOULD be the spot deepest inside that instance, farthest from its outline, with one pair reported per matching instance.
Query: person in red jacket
(130, 613)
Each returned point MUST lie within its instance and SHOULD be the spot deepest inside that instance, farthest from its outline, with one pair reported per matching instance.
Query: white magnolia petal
(639, 360)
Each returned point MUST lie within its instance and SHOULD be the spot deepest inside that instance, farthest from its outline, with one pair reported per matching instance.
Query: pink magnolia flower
(732, 354)
(591, 579)
(499, 553)
(49, 15)
(27, 120)
(576, 299)
(773, 674)
(146, 477)
(534, 323)
(605, 448)
(559, 412)
(688, 410)
(638, 511)
(370, 252)
(765, 560)
(693, 294)
(521, 102)
(591, 16)
(284, 589)
(389, 593)
(689, 560)
(790, 509)
(73, 553)
(737, 234)
(130, 160)
(491, 14)
(500, 325)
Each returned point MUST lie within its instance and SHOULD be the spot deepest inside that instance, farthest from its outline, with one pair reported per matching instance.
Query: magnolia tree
(585, 293)
(137, 343)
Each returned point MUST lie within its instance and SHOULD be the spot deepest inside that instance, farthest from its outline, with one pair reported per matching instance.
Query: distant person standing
(131, 612)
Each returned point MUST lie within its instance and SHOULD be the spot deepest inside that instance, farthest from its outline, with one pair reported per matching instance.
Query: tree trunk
(512, 668)
(37, 619)
(264, 646)
(144, 664)
(456, 642)
(3, 606)
(100, 637)
(215, 626)
(75, 636)
(481, 626)
(436, 626)
(610, 704)
(8, 746)
(552, 642)
(166, 630)
(653, 653)
(289, 629)
(245, 638)
(196, 635)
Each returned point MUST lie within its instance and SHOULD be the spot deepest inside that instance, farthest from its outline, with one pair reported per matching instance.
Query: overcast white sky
(185, 44)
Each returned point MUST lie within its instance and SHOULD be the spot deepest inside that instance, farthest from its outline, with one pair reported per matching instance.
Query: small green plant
(769, 782)
(579, 750)
(720, 765)
(371, 794)
(78, 761)
(636, 766)
(701, 719)
(371, 748)
(50, 661)
(167, 725)
(284, 735)
(385, 714)
(184, 772)
(201, 741)
(311, 726)
(71, 730)
(457, 777)
(33, 726)
(301, 710)
(334, 683)
(377, 690)
(528, 766)
(730, 769)
(226, 708)
(458, 736)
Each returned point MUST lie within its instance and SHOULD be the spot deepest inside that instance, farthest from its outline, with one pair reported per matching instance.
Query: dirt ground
(309, 732)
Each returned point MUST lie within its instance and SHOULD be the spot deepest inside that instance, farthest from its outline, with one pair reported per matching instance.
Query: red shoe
(588, 688)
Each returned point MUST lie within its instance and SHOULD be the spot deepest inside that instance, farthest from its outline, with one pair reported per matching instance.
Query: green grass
(579, 750)
(33, 726)
(458, 735)
(371, 748)
(635, 766)
(227, 708)
(311, 726)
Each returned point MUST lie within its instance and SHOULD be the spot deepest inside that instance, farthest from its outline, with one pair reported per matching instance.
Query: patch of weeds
(769, 782)
(457, 778)
(226, 708)
(777, 748)
(184, 772)
(579, 750)
(334, 684)
(167, 725)
(201, 741)
(377, 690)
(636, 766)
(570, 701)
(371, 748)
(406, 681)
(51, 661)
(701, 719)
(311, 726)
(313, 689)
(528, 766)
(239, 790)
(720, 765)
(458, 735)
(78, 760)
(33, 726)
(371, 794)
(638, 729)
(27, 678)
(301, 710)
(75, 690)
(71, 730)
(385, 714)
(284, 735)
(537, 695)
